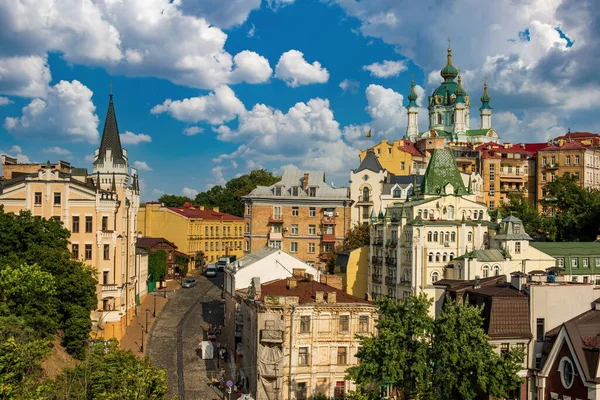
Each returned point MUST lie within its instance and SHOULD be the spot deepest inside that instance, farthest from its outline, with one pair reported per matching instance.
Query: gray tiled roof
(370, 162)
(294, 178)
(110, 137)
(403, 181)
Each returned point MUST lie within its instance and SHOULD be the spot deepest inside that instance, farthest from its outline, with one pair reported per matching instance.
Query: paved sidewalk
(132, 340)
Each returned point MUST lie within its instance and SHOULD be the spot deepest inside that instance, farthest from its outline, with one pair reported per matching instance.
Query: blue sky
(207, 90)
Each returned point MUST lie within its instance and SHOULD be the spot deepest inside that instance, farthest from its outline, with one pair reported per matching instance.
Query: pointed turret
(98, 181)
(485, 111)
(449, 72)
(110, 137)
(459, 92)
(412, 128)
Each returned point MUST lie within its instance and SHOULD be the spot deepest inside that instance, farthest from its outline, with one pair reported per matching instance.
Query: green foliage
(157, 265)
(330, 266)
(172, 200)
(229, 198)
(449, 358)
(109, 373)
(357, 236)
(537, 226)
(42, 246)
(21, 350)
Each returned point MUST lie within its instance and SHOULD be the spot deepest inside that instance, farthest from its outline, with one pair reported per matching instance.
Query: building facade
(152, 245)
(577, 261)
(400, 157)
(300, 214)
(100, 209)
(196, 231)
(353, 266)
(299, 338)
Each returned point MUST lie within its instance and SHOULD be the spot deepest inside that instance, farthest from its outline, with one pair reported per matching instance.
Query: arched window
(397, 193)
(481, 214)
(435, 276)
(430, 258)
(431, 214)
(447, 237)
(444, 257)
(486, 271)
(451, 256)
(424, 214)
(429, 236)
(450, 212)
(496, 270)
(366, 194)
(452, 118)
(439, 118)
(435, 236)
(459, 271)
(470, 237)
(437, 257)
(453, 236)
(420, 214)
(407, 275)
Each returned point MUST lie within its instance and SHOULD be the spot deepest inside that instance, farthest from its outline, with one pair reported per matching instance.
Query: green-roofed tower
(442, 175)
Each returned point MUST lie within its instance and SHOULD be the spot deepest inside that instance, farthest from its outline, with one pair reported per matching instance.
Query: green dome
(412, 95)
(449, 72)
(485, 98)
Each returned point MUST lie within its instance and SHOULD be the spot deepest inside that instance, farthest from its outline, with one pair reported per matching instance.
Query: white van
(211, 270)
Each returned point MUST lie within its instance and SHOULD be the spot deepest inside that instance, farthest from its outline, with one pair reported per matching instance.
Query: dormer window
(296, 191)
(277, 190)
(517, 228)
(397, 193)
(312, 192)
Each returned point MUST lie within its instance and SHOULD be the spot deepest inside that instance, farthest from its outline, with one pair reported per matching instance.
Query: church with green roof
(449, 108)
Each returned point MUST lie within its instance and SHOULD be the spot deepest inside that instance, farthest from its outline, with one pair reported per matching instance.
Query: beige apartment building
(100, 210)
(299, 338)
(300, 214)
(560, 158)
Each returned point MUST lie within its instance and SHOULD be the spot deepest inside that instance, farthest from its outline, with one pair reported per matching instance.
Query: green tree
(537, 226)
(109, 373)
(157, 265)
(229, 198)
(29, 240)
(172, 200)
(357, 236)
(464, 362)
(21, 351)
(449, 358)
(400, 353)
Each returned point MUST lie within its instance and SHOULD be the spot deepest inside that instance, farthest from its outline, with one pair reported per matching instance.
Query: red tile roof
(149, 242)
(409, 147)
(566, 146)
(189, 211)
(579, 135)
(305, 290)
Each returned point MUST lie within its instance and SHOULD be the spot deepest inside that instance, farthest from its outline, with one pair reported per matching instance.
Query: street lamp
(147, 319)
(142, 346)
(154, 311)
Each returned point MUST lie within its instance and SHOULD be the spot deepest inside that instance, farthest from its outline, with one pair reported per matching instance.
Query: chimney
(216, 209)
(298, 273)
(291, 283)
(319, 297)
(257, 286)
(308, 277)
(331, 297)
(201, 208)
(305, 181)
(334, 281)
(477, 283)
(517, 280)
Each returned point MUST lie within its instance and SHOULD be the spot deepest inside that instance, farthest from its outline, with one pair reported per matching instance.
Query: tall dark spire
(114, 183)
(110, 136)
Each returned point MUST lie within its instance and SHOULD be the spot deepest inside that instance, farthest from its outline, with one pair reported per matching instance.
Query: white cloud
(217, 107)
(188, 192)
(142, 166)
(67, 112)
(295, 71)
(251, 31)
(158, 192)
(192, 130)
(89, 158)
(386, 69)
(222, 13)
(349, 85)
(57, 150)
(5, 101)
(132, 138)
(26, 76)
(535, 126)
(16, 152)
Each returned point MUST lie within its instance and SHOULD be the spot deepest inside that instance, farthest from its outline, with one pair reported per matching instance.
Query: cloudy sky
(209, 89)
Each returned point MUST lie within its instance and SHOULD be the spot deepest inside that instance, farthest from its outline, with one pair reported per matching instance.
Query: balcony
(405, 281)
(271, 336)
(390, 260)
(392, 243)
(328, 237)
(551, 166)
(512, 190)
(324, 256)
(376, 278)
(111, 290)
(378, 242)
(390, 280)
(276, 219)
(364, 200)
(376, 260)
(275, 236)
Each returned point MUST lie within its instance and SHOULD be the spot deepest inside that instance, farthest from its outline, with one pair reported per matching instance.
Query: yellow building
(401, 157)
(100, 210)
(194, 230)
(353, 267)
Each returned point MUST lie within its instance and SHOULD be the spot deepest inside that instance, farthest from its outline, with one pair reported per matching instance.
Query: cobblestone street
(173, 340)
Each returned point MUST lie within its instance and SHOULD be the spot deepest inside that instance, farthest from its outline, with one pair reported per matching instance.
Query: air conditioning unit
(285, 229)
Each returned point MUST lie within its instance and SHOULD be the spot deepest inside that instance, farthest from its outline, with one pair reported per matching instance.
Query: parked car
(189, 283)
(211, 270)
